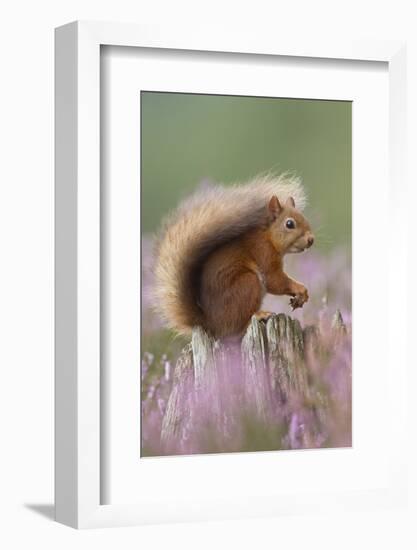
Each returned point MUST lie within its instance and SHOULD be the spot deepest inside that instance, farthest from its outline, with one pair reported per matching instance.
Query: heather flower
(222, 411)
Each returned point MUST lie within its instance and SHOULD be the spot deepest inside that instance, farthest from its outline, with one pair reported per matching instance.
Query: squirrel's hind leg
(229, 311)
(263, 315)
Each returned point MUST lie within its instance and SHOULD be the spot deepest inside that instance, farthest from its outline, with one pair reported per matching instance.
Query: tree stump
(265, 371)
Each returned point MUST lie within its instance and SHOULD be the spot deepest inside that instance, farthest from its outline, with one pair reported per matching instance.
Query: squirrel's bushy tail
(207, 219)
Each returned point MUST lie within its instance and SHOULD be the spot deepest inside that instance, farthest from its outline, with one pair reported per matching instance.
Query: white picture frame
(78, 410)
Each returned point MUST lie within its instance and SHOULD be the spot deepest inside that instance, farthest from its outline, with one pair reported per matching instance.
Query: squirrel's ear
(274, 208)
(290, 202)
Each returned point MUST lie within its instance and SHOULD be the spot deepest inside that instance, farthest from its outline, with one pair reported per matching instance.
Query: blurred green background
(189, 138)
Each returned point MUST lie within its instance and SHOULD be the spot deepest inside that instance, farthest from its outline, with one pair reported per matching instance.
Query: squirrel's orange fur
(223, 249)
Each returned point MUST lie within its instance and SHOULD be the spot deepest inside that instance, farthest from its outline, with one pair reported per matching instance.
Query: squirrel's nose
(310, 241)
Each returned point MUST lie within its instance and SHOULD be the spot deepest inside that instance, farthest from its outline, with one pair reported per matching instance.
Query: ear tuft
(274, 208)
(290, 202)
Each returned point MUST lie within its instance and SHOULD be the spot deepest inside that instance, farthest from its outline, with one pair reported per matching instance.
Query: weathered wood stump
(265, 370)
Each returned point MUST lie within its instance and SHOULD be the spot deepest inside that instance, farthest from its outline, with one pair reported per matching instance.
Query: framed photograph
(227, 344)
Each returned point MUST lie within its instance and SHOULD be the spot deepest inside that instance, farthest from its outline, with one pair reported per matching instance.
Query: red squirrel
(223, 249)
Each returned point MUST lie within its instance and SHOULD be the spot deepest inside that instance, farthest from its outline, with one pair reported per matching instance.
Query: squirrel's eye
(290, 223)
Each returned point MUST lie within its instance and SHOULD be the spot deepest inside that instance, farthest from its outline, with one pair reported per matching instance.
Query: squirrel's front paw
(299, 299)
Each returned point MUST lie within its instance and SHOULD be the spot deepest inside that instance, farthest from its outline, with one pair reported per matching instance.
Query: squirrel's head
(289, 230)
